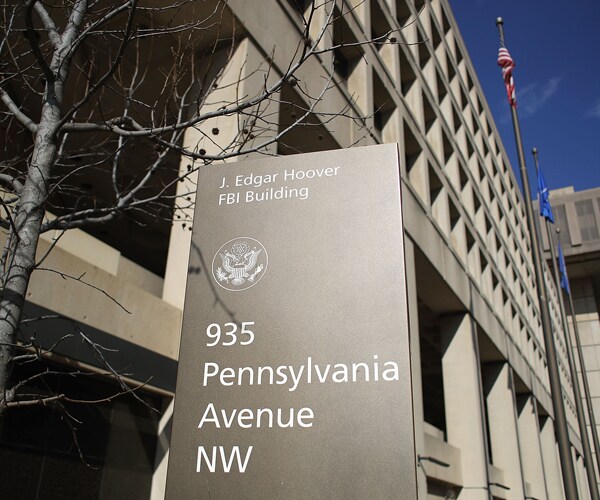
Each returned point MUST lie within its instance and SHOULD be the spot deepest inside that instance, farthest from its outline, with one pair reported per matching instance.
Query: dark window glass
(79, 451)
(587, 220)
(560, 221)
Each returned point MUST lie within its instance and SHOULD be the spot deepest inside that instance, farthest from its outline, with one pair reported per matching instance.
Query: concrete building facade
(577, 216)
(482, 398)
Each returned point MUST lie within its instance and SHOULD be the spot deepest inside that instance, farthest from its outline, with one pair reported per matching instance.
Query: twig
(80, 279)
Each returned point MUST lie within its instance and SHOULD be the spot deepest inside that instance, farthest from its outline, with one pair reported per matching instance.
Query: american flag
(507, 64)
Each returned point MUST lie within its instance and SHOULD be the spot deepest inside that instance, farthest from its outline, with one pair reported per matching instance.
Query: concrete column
(503, 431)
(582, 483)
(551, 463)
(415, 360)
(531, 451)
(320, 16)
(360, 87)
(243, 77)
(159, 478)
(463, 401)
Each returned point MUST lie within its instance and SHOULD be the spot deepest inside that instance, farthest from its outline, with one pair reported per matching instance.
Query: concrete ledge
(440, 450)
(497, 486)
(148, 321)
(103, 256)
(85, 247)
(132, 361)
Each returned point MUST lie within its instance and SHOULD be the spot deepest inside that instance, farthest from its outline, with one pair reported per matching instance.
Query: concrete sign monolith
(294, 374)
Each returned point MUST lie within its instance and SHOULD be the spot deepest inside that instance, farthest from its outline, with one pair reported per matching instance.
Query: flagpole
(586, 387)
(561, 428)
(585, 441)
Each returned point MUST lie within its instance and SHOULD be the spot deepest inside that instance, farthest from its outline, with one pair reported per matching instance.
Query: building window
(384, 106)
(587, 220)
(407, 73)
(299, 6)
(560, 217)
(347, 53)
(77, 451)
(403, 12)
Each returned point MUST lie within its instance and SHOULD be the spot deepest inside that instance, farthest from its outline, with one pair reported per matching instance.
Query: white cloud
(531, 98)
(534, 96)
(594, 109)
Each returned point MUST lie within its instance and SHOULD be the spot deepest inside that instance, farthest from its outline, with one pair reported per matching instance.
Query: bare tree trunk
(29, 212)
(27, 223)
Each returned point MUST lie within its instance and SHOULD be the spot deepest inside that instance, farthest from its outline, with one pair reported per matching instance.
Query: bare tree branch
(32, 37)
(48, 22)
(67, 39)
(80, 279)
(10, 182)
(102, 102)
(16, 112)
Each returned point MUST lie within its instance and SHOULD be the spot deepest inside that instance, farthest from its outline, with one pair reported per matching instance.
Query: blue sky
(556, 47)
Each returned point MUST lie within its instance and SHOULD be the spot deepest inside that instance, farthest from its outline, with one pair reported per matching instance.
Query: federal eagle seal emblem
(239, 264)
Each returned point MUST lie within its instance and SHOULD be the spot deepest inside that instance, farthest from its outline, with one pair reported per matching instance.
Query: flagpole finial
(534, 151)
(500, 26)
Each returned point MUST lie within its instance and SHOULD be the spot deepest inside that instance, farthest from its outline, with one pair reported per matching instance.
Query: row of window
(423, 96)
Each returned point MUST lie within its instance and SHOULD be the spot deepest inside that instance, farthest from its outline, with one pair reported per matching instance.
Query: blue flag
(564, 279)
(544, 194)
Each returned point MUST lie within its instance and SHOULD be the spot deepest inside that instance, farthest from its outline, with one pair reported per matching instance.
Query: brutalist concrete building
(577, 216)
(482, 398)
